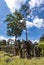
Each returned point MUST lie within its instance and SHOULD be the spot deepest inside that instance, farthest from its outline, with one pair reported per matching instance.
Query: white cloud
(29, 24)
(35, 41)
(13, 38)
(37, 22)
(34, 3)
(4, 38)
(14, 4)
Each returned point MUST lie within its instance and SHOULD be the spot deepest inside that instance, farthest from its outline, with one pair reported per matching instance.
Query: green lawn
(16, 61)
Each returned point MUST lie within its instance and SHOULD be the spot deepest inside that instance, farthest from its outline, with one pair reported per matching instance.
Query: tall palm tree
(26, 11)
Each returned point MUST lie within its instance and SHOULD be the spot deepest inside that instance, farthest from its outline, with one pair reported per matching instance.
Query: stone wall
(24, 49)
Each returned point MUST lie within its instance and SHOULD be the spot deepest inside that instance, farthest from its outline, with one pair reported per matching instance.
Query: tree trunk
(16, 39)
(26, 35)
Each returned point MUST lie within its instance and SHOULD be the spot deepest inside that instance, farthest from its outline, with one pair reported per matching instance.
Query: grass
(16, 61)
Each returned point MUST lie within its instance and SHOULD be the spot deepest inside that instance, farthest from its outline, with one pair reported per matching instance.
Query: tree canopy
(15, 24)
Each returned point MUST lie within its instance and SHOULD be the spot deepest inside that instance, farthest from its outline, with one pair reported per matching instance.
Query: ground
(9, 59)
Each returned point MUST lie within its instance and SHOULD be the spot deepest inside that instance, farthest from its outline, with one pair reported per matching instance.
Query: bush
(41, 45)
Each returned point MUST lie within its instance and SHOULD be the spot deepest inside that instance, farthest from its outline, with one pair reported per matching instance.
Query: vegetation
(4, 57)
(15, 24)
(41, 44)
(2, 42)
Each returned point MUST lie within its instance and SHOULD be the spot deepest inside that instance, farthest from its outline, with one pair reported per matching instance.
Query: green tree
(0, 42)
(15, 24)
(4, 42)
(41, 44)
(42, 38)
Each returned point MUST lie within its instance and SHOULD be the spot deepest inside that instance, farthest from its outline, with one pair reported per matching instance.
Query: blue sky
(35, 22)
